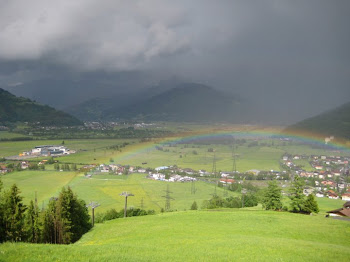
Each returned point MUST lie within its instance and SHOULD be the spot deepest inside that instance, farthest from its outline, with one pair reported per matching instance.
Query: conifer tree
(32, 223)
(2, 224)
(272, 197)
(14, 215)
(49, 221)
(194, 206)
(311, 205)
(297, 196)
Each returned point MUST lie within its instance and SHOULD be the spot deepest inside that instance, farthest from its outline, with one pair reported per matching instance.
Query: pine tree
(49, 221)
(194, 206)
(272, 197)
(14, 215)
(311, 205)
(297, 196)
(32, 223)
(2, 224)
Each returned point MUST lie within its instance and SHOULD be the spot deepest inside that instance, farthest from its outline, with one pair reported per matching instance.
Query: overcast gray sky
(291, 57)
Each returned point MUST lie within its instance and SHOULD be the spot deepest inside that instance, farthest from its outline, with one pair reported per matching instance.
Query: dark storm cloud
(290, 56)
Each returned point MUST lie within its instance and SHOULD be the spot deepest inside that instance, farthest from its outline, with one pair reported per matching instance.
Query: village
(327, 176)
(331, 181)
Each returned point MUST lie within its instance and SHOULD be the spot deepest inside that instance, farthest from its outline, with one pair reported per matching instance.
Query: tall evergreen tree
(297, 196)
(49, 221)
(14, 215)
(32, 223)
(2, 215)
(272, 197)
(311, 205)
(66, 219)
(194, 206)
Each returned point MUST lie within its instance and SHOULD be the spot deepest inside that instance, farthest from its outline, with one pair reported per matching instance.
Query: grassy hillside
(335, 122)
(19, 109)
(201, 236)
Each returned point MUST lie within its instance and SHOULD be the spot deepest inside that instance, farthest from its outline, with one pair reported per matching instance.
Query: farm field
(265, 154)
(222, 235)
(88, 150)
(9, 135)
(105, 189)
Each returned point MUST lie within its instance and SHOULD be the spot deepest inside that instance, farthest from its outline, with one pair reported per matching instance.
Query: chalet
(227, 181)
(346, 196)
(332, 195)
(4, 169)
(188, 171)
(161, 168)
(341, 212)
(319, 194)
(328, 183)
(24, 165)
(104, 168)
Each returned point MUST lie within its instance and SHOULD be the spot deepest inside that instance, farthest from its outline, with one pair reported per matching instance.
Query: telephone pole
(93, 205)
(126, 195)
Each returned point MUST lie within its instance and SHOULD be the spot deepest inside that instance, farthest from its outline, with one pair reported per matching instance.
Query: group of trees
(64, 221)
(247, 200)
(113, 214)
(299, 203)
(65, 167)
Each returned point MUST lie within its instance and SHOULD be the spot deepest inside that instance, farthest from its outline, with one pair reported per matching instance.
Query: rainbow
(250, 132)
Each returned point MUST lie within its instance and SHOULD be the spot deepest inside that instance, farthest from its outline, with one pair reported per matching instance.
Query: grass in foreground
(239, 235)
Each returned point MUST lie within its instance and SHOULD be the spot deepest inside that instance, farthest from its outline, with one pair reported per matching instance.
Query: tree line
(299, 203)
(64, 220)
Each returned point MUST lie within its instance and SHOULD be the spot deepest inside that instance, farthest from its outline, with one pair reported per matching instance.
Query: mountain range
(20, 109)
(182, 102)
(335, 122)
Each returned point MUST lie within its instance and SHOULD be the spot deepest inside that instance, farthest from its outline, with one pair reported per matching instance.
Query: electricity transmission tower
(193, 188)
(234, 167)
(141, 203)
(168, 198)
(214, 165)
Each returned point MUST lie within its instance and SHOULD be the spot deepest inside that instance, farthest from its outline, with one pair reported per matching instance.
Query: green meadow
(105, 189)
(88, 150)
(220, 235)
(265, 155)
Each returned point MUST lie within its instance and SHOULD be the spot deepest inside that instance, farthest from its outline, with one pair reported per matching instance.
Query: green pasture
(105, 189)
(46, 184)
(88, 150)
(264, 156)
(9, 135)
(198, 157)
(222, 235)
